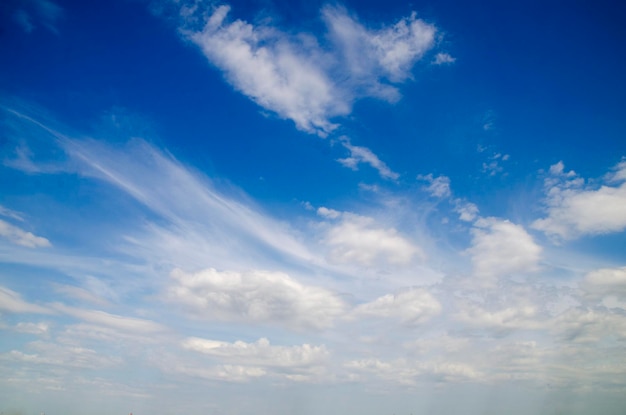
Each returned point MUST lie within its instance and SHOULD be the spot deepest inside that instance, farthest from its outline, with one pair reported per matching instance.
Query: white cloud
(521, 315)
(62, 355)
(389, 52)
(11, 214)
(21, 237)
(255, 297)
(277, 72)
(443, 58)
(365, 155)
(412, 306)
(260, 353)
(581, 325)
(467, 211)
(294, 77)
(438, 186)
(500, 247)
(328, 213)
(12, 302)
(575, 209)
(357, 239)
(129, 324)
(605, 282)
(32, 328)
(410, 372)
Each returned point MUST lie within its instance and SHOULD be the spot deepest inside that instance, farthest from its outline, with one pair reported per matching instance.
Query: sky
(309, 207)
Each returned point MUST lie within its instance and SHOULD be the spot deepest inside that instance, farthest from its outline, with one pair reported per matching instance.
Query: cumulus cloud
(358, 239)
(21, 237)
(294, 77)
(500, 248)
(364, 155)
(575, 207)
(437, 186)
(255, 297)
(412, 306)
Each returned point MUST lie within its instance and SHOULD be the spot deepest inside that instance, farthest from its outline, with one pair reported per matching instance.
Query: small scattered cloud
(364, 155)
(437, 186)
(443, 58)
(575, 207)
(493, 166)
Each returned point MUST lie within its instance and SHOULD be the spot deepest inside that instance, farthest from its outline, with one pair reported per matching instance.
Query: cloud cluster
(576, 208)
(255, 297)
(298, 79)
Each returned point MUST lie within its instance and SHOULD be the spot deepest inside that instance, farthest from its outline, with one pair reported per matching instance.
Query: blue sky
(312, 207)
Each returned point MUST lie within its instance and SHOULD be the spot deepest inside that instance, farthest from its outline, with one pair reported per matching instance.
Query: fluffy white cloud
(21, 237)
(357, 239)
(255, 297)
(293, 76)
(278, 73)
(500, 247)
(365, 155)
(437, 186)
(412, 306)
(467, 211)
(575, 208)
(260, 353)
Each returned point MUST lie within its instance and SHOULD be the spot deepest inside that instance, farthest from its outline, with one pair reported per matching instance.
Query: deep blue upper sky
(373, 207)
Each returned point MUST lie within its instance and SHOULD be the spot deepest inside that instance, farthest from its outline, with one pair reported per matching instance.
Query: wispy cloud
(32, 13)
(364, 155)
